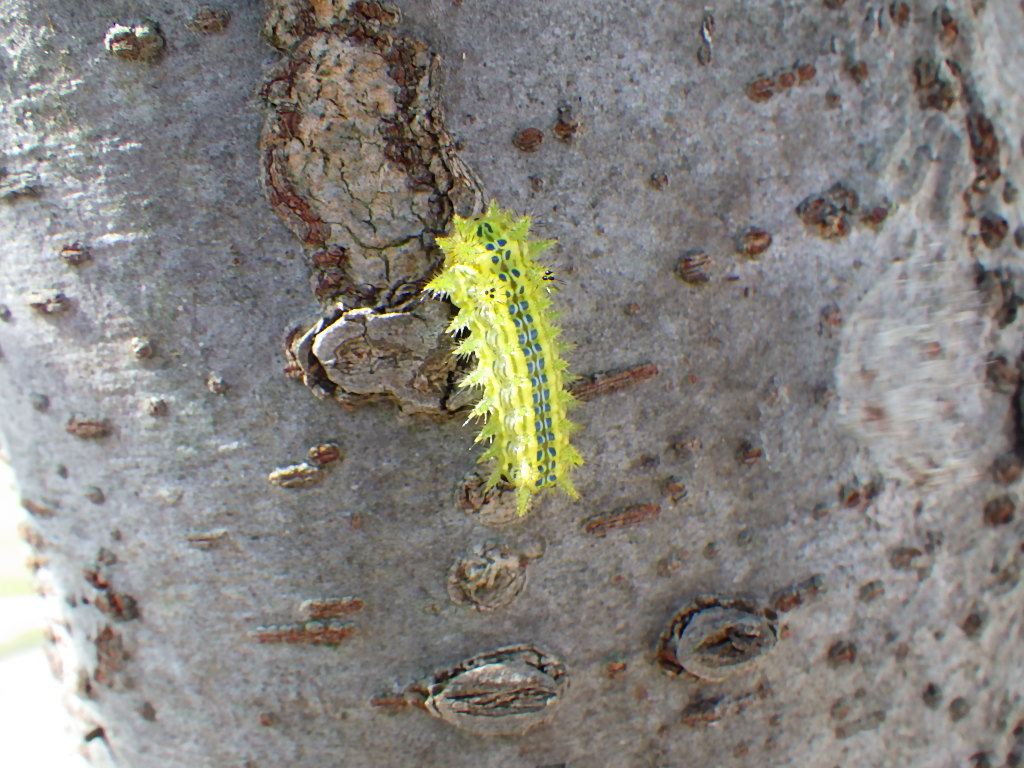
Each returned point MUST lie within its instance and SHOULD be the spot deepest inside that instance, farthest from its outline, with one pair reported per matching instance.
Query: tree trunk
(788, 252)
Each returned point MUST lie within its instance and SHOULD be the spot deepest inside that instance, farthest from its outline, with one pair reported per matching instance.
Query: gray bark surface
(833, 405)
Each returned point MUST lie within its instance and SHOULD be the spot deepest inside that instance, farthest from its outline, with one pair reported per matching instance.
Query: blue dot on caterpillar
(490, 264)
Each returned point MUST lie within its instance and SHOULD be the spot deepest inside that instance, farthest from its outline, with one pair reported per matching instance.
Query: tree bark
(788, 252)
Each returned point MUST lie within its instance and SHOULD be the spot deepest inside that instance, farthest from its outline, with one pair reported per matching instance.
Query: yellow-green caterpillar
(491, 275)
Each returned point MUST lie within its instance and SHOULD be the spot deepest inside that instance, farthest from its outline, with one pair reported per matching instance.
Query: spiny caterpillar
(490, 273)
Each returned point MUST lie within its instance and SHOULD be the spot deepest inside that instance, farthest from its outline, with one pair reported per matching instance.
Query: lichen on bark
(355, 153)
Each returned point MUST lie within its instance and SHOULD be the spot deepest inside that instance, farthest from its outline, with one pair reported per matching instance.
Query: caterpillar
(491, 274)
